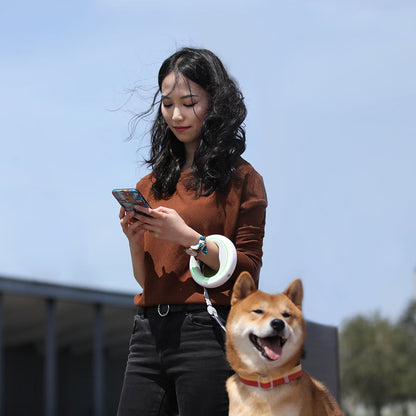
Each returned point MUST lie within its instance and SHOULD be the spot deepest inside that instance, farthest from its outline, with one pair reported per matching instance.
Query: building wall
(24, 387)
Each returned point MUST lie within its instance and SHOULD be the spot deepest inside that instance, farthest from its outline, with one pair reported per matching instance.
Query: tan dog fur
(252, 312)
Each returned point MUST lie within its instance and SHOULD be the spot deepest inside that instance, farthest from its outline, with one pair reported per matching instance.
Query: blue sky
(331, 95)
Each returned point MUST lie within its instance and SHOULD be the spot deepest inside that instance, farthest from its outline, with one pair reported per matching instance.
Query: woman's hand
(134, 232)
(132, 228)
(166, 224)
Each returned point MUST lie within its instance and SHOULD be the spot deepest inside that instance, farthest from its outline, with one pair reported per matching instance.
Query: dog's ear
(295, 293)
(243, 287)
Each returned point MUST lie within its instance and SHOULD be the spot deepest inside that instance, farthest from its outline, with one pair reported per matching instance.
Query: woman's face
(184, 107)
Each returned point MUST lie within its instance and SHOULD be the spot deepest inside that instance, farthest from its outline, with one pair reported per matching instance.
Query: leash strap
(212, 311)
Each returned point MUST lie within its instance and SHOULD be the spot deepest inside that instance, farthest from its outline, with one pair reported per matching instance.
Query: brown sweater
(238, 214)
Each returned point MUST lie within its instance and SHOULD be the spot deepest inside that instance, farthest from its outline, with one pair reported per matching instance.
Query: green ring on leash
(228, 261)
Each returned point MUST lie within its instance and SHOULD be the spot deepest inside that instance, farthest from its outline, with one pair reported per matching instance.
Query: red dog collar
(270, 382)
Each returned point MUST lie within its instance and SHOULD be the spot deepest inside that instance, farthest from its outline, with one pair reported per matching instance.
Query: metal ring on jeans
(160, 313)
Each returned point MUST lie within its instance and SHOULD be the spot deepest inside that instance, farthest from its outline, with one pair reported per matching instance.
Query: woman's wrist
(135, 248)
(199, 248)
(190, 238)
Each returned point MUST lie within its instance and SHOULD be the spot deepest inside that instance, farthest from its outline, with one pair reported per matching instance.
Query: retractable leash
(228, 261)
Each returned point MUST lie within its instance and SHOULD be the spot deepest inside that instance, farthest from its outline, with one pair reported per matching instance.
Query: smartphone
(129, 197)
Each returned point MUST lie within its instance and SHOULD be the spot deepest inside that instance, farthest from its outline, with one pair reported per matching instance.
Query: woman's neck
(190, 149)
(186, 168)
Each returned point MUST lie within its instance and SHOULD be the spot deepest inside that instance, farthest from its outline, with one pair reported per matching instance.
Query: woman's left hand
(166, 224)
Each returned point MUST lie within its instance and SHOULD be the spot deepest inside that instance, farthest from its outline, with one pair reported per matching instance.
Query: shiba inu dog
(264, 344)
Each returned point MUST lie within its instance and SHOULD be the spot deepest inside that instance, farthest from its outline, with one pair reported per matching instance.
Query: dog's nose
(277, 324)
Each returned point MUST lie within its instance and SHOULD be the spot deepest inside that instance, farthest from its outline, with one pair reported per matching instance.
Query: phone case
(130, 197)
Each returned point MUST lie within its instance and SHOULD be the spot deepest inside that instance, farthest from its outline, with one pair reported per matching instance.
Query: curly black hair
(222, 138)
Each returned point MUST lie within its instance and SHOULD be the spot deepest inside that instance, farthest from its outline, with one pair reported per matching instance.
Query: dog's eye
(258, 311)
(286, 315)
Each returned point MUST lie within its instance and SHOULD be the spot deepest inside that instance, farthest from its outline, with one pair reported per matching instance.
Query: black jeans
(176, 365)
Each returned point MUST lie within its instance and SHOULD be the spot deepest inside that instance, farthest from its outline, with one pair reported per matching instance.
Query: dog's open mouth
(270, 347)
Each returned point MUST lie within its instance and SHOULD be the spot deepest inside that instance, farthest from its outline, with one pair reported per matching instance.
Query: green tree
(404, 389)
(367, 358)
(408, 319)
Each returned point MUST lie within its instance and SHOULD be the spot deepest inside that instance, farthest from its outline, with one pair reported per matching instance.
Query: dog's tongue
(272, 347)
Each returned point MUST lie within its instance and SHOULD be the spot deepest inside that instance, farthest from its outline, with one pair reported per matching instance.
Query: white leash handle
(228, 261)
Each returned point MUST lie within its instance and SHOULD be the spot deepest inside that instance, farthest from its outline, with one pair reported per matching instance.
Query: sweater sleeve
(250, 226)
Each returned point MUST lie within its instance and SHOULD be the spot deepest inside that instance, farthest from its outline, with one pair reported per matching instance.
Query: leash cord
(212, 311)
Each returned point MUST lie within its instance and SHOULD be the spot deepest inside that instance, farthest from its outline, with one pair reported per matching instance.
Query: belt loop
(160, 313)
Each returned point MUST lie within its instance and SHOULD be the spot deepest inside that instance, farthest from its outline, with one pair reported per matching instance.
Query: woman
(199, 185)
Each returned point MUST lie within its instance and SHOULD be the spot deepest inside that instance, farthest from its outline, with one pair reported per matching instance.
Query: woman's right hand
(132, 228)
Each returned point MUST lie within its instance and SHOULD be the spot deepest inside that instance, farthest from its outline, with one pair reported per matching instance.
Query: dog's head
(264, 332)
